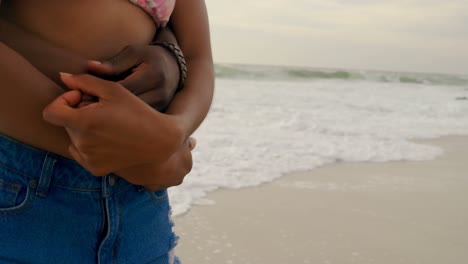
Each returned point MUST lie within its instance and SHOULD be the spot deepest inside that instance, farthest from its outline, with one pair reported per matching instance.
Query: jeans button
(112, 180)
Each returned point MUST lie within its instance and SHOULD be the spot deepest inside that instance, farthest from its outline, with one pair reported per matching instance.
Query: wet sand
(393, 212)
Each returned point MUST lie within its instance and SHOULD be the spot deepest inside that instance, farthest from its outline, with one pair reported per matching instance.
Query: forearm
(192, 103)
(24, 93)
(25, 54)
(46, 57)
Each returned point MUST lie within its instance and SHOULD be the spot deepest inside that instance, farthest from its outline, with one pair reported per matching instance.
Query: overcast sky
(402, 35)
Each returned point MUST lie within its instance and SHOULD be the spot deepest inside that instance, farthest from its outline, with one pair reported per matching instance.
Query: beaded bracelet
(179, 56)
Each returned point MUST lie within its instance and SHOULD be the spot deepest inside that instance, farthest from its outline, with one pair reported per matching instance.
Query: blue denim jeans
(54, 211)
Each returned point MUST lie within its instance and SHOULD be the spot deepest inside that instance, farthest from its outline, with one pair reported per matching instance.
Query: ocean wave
(232, 71)
(259, 130)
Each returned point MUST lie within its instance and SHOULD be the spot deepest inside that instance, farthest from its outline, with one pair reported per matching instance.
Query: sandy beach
(392, 212)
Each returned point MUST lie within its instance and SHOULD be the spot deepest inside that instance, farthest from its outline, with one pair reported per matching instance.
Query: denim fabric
(54, 211)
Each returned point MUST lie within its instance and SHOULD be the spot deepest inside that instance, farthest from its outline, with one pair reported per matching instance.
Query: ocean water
(268, 121)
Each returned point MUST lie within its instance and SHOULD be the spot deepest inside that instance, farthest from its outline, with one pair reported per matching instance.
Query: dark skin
(155, 71)
(103, 135)
(154, 80)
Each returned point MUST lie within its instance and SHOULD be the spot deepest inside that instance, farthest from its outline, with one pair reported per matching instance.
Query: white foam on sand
(258, 130)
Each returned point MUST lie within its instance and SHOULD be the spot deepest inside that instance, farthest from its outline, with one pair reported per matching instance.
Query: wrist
(177, 54)
(180, 130)
(182, 127)
(168, 132)
(169, 70)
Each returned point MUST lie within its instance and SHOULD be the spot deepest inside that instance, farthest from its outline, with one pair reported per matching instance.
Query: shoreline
(385, 212)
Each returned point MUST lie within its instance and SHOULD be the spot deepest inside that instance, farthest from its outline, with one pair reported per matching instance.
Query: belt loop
(105, 189)
(46, 175)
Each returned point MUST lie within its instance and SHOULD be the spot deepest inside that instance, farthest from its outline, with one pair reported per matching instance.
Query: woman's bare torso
(94, 29)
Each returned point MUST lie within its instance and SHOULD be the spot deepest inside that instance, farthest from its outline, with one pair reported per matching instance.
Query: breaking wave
(232, 71)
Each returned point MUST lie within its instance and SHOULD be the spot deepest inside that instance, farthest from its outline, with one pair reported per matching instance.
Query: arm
(191, 105)
(22, 101)
(50, 60)
(37, 90)
(154, 71)
(46, 57)
(93, 128)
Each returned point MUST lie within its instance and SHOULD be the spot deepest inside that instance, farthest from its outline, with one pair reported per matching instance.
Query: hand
(162, 176)
(118, 131)
(148, 71)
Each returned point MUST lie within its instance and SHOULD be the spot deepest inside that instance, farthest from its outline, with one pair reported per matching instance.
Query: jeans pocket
(16, 192)
(9, 193)
(158, 197)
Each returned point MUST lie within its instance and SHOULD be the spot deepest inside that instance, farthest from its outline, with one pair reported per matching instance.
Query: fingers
(62, 112)
(87, 99)
(157, 98)
(89, 85)
(128, 58)
(181, 164)
(146, 85)
(187, 159)
(192, 142)
(139, 81)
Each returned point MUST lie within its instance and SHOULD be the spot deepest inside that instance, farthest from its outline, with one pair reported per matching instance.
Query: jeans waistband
(34, 163)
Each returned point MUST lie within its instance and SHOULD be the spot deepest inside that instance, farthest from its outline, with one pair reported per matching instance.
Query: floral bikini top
(159, 10)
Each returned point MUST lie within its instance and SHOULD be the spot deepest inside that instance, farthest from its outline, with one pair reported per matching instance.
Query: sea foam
(259, 130)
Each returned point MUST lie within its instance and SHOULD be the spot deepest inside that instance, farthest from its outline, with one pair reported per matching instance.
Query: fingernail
(95, 62)
(62, 74)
